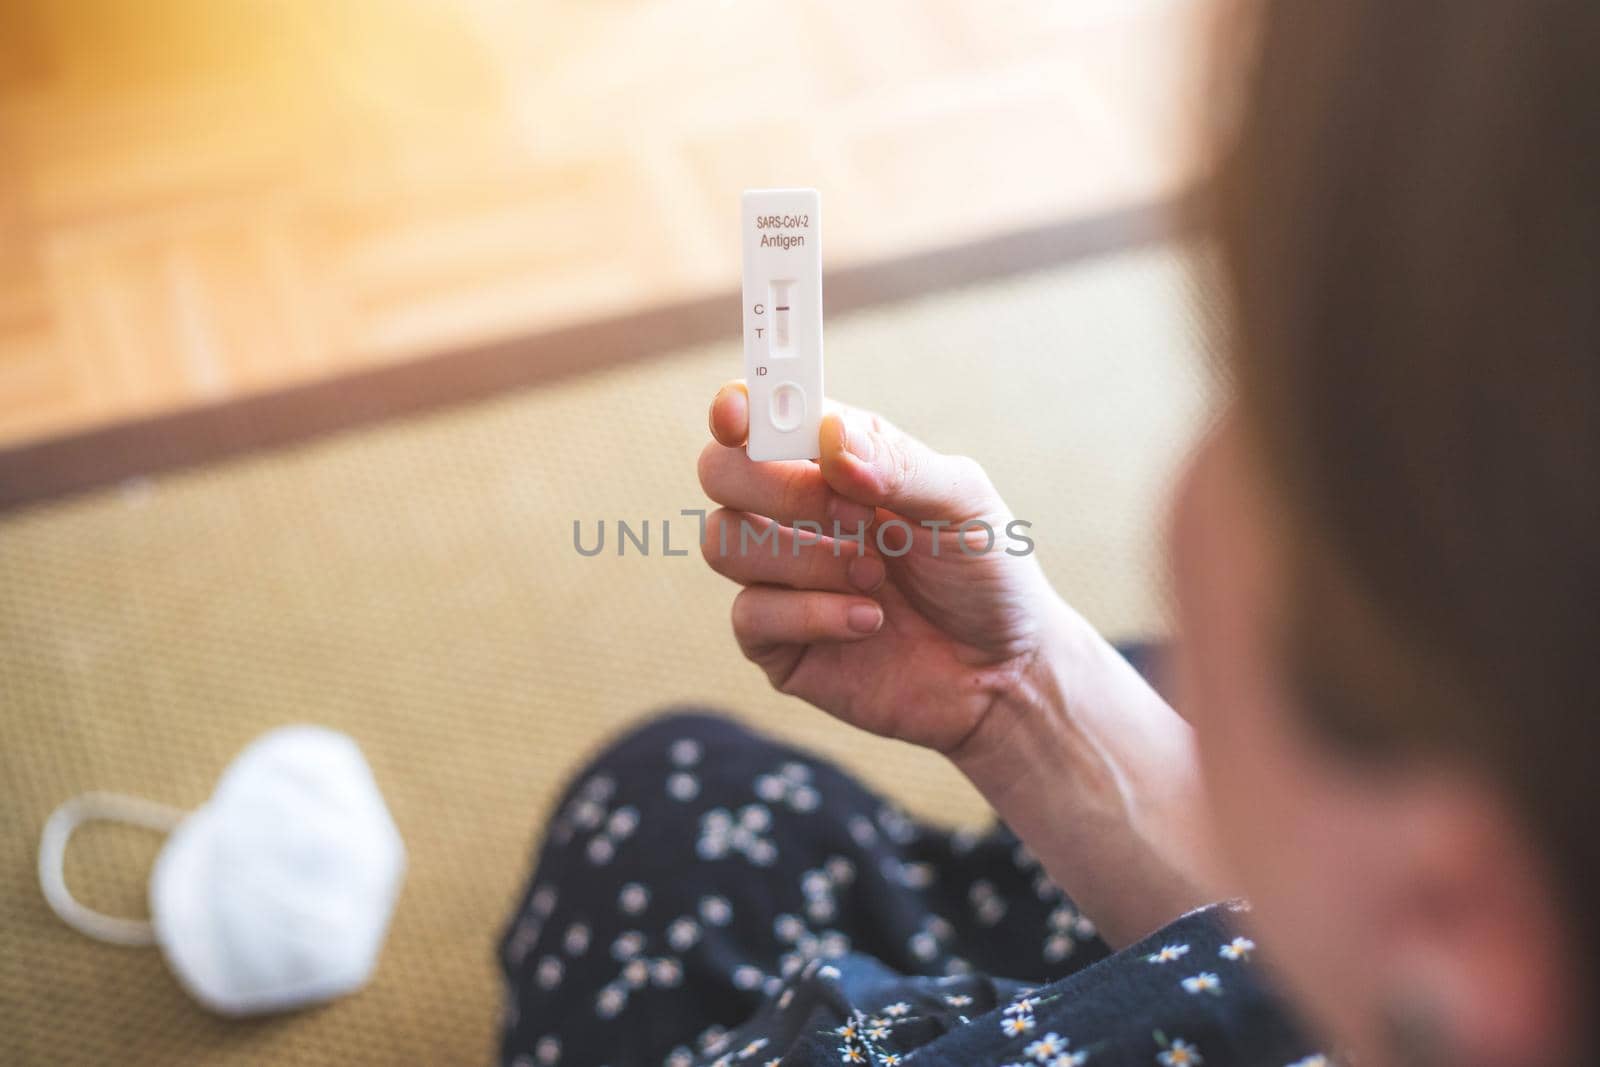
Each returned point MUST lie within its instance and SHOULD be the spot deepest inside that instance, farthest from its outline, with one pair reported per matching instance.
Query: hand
(970, 653)
(919, 645)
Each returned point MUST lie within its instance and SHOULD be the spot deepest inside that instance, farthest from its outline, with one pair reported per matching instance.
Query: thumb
(869, 461)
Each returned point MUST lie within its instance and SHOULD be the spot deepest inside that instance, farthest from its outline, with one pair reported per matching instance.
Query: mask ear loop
(108, 807)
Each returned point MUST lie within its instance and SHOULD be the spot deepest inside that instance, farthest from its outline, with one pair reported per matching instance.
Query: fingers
(867, 460)
(753, 550)
(767, 617)
(785, 491)
(730, 415)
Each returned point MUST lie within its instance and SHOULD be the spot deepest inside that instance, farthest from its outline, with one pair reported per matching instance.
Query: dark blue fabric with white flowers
(705, 895)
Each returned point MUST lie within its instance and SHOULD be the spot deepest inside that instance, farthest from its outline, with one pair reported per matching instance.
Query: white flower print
(746, 976)
(894, 823)
(588, 814)
(789, 786)
(543, 901)
(666, 972)
(715, 910)
(548, 1051)
(584, 810)
(575, 942)
(636, 973)
(522, 940)
(898, 1010)
(831, 944)
(1204, 982)
(1057, 947)
(683, 934)
(679, 1057)
(840, 869)
(681, 785)
(633, 898)
(818, 886)
(685, 752)
(713, 1039)
(862, 831)
(1237, 949)
(627, 945)
(1046, 1047)
(957, 1000)
(549, 972)
(788, 928)
(1167, 953)
(1179, 1053)
(721, 832)
(1022, 1006)
(987, 904)
(610, 1001)
(1316, 1059)
(928, 943)
(623, 822)
(1016, 1025)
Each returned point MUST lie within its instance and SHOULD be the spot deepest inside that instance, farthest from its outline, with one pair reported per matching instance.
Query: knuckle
(711, 543)
(743, 614)
(792, 495)
(816, 616)
(904, 466)
(969, 473)
(707, 468)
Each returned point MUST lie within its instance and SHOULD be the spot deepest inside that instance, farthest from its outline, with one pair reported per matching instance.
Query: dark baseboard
(102, 456)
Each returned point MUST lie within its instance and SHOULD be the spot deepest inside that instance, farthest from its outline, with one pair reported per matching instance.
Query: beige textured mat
(416, 585)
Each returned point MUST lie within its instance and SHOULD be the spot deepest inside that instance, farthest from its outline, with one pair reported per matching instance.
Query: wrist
(1097, 775)
(1032, 713)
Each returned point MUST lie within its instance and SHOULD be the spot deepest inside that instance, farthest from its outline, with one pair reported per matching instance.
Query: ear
(1476, 934)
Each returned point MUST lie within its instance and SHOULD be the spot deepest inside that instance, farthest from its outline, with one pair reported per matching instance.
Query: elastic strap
(91, 807)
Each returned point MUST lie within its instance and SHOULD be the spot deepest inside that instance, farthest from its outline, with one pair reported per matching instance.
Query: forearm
(1098, 777)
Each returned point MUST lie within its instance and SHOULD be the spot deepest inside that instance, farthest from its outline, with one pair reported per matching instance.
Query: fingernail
(858, 438)
(849, 515)
(865, 573)
(865, 618)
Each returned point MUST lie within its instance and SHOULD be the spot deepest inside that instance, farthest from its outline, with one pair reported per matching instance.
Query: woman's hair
(1406, 207)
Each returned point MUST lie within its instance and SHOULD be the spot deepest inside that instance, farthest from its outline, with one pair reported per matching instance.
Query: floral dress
(707, 896)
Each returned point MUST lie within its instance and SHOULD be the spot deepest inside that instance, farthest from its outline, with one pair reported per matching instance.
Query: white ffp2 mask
(274, 894)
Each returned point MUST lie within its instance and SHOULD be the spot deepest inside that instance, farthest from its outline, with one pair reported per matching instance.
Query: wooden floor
(203, 201)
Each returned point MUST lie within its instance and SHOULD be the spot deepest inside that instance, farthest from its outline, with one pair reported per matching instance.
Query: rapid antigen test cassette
(783, 321)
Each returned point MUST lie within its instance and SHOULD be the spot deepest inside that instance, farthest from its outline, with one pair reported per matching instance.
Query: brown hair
(1407, 209)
